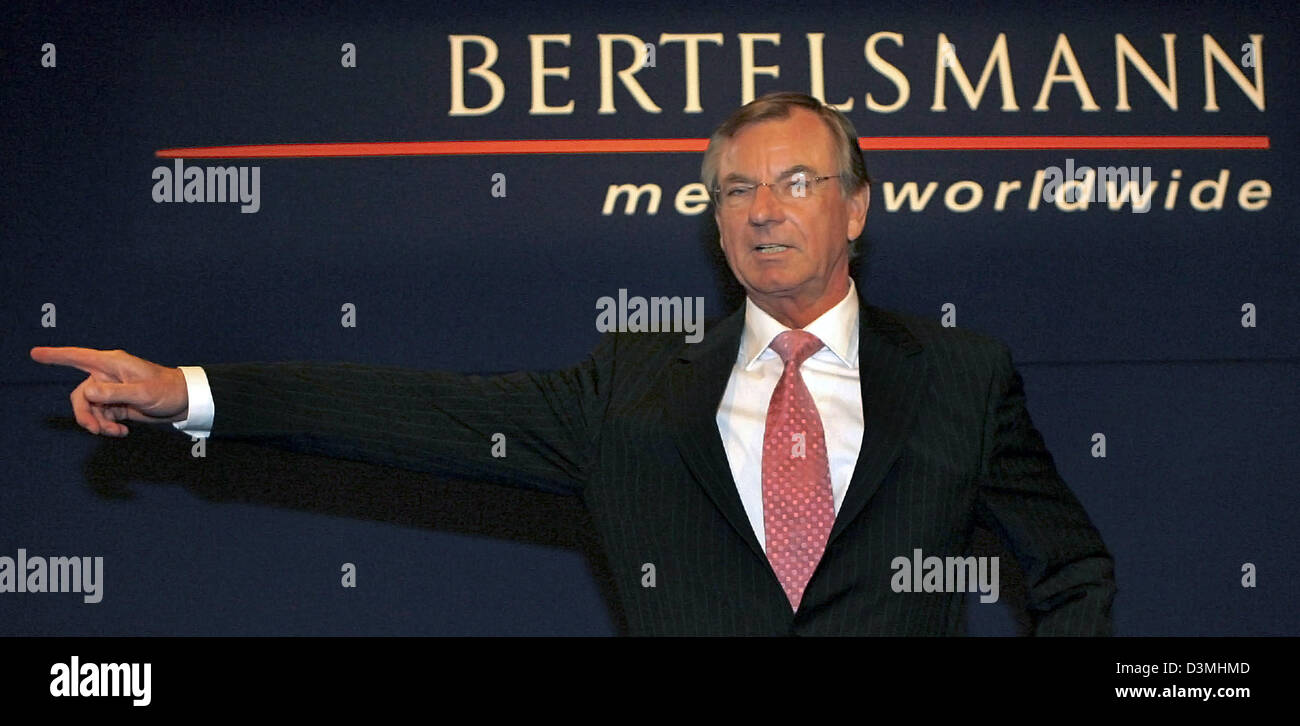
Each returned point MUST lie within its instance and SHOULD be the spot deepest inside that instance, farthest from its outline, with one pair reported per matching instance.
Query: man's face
(796, 248)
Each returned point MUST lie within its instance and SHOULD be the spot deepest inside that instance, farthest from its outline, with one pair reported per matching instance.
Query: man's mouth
(771, 249)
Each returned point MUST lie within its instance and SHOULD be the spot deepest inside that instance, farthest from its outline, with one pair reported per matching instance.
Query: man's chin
(768, 284)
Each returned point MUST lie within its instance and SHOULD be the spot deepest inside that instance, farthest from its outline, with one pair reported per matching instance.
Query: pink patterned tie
(798, 505)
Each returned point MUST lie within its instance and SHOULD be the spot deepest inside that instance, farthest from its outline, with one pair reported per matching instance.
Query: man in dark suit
(774, 478)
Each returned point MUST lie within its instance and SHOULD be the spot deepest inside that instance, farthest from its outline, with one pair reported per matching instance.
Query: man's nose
(766, 207)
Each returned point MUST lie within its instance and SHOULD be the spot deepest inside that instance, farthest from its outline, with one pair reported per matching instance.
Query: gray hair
(853, 168)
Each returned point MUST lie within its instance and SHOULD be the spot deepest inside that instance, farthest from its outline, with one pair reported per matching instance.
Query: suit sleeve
(430, 421)
(1069, 574)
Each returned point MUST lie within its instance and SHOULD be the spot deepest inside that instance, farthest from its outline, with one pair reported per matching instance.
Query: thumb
(107, 392)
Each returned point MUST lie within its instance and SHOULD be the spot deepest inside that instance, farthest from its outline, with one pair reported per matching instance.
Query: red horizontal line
(636, 146)
(1027, 143)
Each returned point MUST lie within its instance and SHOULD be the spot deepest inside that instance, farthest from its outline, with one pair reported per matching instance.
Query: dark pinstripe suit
(632, 430)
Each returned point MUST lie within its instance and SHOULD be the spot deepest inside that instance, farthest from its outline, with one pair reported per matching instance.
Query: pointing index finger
(88, 360)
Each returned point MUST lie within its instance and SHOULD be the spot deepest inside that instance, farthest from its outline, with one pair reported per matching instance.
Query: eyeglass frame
(772, 186)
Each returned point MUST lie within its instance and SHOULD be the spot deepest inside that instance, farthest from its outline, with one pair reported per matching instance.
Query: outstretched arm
(531, 429)
(536, 430)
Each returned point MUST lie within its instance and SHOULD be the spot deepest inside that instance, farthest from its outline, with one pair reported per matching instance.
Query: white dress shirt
(831, 375)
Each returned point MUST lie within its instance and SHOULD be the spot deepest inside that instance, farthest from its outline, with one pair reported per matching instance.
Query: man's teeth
(771, 248)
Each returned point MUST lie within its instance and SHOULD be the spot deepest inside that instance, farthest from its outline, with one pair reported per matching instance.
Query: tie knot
(795, 346)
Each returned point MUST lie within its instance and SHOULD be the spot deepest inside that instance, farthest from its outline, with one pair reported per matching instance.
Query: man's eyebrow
(794, 170)
(738, 177)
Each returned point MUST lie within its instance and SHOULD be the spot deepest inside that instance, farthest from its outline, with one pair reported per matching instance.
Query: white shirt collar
(837, 328)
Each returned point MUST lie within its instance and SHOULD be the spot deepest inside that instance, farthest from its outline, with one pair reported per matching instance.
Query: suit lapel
(698, 379)
(892, 377)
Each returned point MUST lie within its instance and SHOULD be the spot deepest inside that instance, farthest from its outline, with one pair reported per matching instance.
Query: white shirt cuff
(199, 421)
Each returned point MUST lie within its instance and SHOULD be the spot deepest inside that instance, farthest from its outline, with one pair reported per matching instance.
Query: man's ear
(858, 202)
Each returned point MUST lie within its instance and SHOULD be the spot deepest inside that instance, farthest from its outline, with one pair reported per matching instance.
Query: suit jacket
(948, 445)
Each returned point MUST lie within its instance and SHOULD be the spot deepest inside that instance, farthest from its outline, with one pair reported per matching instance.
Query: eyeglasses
(793, 186)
